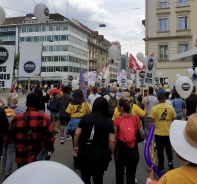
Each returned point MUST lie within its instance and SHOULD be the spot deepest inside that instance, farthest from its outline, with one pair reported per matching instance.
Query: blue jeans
(146, 121)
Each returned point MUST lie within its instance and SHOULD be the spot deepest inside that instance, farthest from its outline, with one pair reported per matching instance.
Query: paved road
(63, 155)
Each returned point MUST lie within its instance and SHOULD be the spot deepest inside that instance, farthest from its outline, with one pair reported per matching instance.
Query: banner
(6, 65)
(123, 80)
(121, 76)
(30, 59)
(140, 79)
(150, 71)
(90, 76)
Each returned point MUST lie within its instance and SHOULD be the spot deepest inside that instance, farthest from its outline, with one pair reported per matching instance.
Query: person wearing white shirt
(93, 96)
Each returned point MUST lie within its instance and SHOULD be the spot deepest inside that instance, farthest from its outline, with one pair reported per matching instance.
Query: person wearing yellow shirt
(76, 109)
(163, 115)
(135, 109)
(183, 139)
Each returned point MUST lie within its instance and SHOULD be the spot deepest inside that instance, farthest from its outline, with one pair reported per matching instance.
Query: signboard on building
(140, 79)
(150, 71)
(6, 65)
(30, 59)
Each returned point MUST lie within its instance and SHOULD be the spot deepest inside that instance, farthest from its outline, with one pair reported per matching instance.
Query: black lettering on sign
(2, 84)
(78, 108)
(5, 76)
(2, 68)
(3, 55)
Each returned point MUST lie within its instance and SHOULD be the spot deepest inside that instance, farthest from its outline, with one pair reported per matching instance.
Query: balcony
(93, 59)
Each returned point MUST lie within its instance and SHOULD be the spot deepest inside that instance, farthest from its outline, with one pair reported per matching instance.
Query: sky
(123, 18)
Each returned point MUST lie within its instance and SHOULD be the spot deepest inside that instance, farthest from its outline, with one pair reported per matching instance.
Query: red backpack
(127, 131)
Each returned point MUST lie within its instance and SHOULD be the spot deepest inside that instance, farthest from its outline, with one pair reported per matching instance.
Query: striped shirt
(42, 132)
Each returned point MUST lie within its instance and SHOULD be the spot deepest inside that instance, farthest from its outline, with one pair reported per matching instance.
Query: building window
(182, 23)
(22, 39)
(163, 4)
(37, 29)
(65, 27)
(163, 51)
(43, 28)
(183, 48)
(23, 30)
(182, 2)
(163, 24)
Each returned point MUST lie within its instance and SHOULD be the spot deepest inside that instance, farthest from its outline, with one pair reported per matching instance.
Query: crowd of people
(103, 129)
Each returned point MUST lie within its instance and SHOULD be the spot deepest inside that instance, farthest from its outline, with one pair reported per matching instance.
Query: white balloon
(42, 173)
(140, 56)
(41, 12)
(92, 83)
(190, 72)
(75, 84)
(196, 70)
(166, 80)
(64, 76)
(123, 71)
(184, 86)
(159, 74)
(178, 75)
(114, 52)
(2, 15)
(132, 77)
(130, 82)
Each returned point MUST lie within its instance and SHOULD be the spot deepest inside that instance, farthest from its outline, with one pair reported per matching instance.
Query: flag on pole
(133, 64)
(82, 84)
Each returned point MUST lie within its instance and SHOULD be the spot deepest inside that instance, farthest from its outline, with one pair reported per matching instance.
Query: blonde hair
(126, 103)
(11, 97)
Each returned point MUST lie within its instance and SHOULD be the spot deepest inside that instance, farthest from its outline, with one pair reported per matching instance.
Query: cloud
(123, 21)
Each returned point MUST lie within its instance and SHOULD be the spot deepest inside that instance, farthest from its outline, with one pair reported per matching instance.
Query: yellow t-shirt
(135, 111)
(77, 111)
(163, 115)
(181, 175)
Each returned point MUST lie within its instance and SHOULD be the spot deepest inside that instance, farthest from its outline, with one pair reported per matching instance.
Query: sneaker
(170, 165)
(56, 131)
(68, 137)
(161, 169)
(62, 141)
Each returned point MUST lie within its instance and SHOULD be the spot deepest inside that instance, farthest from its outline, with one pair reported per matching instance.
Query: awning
(185, 56)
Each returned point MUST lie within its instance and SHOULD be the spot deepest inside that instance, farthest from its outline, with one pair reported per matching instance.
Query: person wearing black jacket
(4, 125)
(38, 90)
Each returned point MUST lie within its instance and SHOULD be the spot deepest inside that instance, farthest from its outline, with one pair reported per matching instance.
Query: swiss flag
(133, 64)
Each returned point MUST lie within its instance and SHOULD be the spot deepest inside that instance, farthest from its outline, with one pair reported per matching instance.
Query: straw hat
(183, 137)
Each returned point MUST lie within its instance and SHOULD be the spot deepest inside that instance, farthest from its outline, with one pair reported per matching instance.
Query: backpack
(10, 113)
(113, 103)
(52, 106)
(127, 131)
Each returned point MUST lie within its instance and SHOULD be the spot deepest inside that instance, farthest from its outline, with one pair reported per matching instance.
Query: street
(63, 154)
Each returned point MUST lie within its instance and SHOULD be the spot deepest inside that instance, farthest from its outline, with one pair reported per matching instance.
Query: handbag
(139, 133)
(43, 153)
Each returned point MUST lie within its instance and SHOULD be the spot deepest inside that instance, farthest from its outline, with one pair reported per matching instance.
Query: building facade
(170, 29)
(65, 48)
(124, 61)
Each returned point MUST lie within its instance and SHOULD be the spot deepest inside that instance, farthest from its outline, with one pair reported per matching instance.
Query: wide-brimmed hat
(183, 137)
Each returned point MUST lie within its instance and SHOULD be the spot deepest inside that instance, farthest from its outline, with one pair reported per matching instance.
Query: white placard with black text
(103, 83)
(157, 81)
(140, 77)
(150, 71)
(6, 65)
(30, 59)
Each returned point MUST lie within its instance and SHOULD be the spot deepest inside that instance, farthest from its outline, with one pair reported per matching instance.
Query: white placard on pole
(150, 71)
(103, 83)
(140, 78)
(6, 65)
(30, 59)
(157, 81)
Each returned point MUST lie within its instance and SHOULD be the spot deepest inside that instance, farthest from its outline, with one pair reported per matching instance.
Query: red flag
(133, 64)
